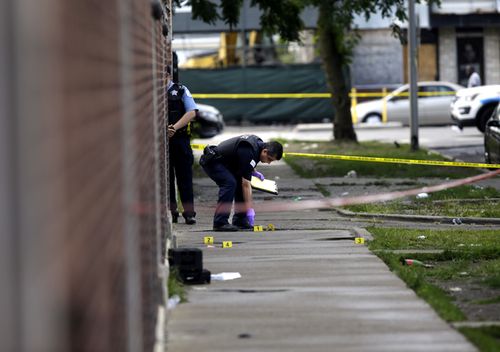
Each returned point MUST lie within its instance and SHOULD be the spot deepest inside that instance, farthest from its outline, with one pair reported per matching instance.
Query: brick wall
(88, 187)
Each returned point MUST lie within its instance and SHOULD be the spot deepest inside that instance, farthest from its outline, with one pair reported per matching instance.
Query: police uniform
(180, 153)
(227, 164)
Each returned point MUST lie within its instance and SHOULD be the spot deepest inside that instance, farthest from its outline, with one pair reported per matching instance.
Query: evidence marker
(208, 240)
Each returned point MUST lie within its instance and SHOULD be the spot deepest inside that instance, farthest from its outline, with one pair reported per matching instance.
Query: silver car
(433, 105)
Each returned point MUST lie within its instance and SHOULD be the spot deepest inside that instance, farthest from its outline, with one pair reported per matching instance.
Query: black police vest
(227, 149)
(176, 107)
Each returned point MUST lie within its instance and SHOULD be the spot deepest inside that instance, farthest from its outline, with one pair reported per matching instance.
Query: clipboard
(268, 186)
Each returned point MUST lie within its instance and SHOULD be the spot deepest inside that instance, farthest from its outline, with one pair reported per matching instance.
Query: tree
(336, 36)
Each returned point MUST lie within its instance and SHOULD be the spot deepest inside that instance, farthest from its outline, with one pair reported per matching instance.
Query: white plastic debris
(463, 273)
(422, 195)
(421, 237)
(457, 221)
(173, 301)
(225, 276)
(344, 194)
(352, 174)
(455, 289)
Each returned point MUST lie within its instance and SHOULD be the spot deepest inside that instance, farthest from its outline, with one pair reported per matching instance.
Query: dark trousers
(230, 189)
(181, 169)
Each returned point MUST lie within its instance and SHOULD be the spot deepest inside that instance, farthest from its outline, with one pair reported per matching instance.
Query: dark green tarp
(263, 79)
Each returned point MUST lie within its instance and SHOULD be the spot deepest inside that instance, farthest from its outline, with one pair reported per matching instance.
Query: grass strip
(414, 277)
(487, 338)
(467, 256)
(176, 287)
(312, 168)
(451, 202)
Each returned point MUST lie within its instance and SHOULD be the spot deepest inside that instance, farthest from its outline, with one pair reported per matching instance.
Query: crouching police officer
(181, 110)
(231, 165)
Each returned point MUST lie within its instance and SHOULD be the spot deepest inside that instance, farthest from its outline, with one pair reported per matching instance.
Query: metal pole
(412, 65)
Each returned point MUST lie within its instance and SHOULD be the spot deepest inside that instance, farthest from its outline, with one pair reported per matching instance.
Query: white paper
(173, 301)
(225, 276)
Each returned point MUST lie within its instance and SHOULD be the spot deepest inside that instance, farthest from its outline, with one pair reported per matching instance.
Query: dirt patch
(467, 293)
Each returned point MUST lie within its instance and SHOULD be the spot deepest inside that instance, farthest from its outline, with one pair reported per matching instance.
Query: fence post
(353, 106)
(384, 105)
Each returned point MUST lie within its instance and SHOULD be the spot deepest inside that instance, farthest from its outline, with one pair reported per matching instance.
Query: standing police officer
(231, 165)
(181, 110)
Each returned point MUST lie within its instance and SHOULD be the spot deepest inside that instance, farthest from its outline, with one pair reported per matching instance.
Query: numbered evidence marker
(227, 244)
(208, 240)
(359, 240)
(271, 227)
(258, 228)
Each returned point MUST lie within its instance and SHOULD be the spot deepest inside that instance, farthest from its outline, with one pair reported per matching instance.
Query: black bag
(209, 154)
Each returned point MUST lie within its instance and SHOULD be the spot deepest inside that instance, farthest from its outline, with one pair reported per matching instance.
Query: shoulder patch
(253, 163)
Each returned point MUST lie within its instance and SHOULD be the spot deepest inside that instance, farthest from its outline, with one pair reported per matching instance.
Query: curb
(422, 218)
(310, 127)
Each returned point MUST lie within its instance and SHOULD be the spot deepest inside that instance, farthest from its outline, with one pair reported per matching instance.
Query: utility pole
(412, 66)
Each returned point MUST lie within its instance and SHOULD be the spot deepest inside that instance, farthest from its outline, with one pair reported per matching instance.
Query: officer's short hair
(274, 149)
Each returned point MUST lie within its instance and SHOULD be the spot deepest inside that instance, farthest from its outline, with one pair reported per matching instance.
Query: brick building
(83, 175)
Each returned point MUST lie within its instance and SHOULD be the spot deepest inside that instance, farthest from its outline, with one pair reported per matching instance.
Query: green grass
(414, 277)
(452, 202)
(311, 168)
(176, 287)
(489, 301)
(466, 256)
(487, 339)
(451, 240)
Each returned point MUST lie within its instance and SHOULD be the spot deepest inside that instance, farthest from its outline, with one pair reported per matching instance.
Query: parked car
(492, 138)
(208, 122)
(474, 106)
(432, 109)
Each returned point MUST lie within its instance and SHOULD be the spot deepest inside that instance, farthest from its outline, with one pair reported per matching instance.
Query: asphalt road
(465, 145)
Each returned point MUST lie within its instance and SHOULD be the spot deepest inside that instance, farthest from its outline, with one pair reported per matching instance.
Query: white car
(432, 109)
(474, 106)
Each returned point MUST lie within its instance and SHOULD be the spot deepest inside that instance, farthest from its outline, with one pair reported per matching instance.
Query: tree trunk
(331, 43)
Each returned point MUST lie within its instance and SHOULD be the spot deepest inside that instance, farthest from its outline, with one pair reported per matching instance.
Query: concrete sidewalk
(304, 287)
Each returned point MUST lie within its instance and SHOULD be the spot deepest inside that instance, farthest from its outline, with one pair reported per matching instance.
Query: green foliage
(315, 167)
(176, 287)
(486, 338)
(489, 301)
(415, 278)
(455, 239)
(463, 201)
(467, 256)
(335, 27)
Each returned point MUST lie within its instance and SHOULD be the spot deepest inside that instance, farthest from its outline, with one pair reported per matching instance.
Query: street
(465, 145)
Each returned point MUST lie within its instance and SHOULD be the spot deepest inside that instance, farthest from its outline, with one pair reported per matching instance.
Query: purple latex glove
(251, 216)
(258, 174)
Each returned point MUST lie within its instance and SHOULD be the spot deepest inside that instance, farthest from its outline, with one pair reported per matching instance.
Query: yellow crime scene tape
(353, 94)
(326, 203)
(381, 160)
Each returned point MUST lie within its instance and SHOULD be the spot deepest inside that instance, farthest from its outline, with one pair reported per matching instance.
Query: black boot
(190, 220)
(175, 218)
